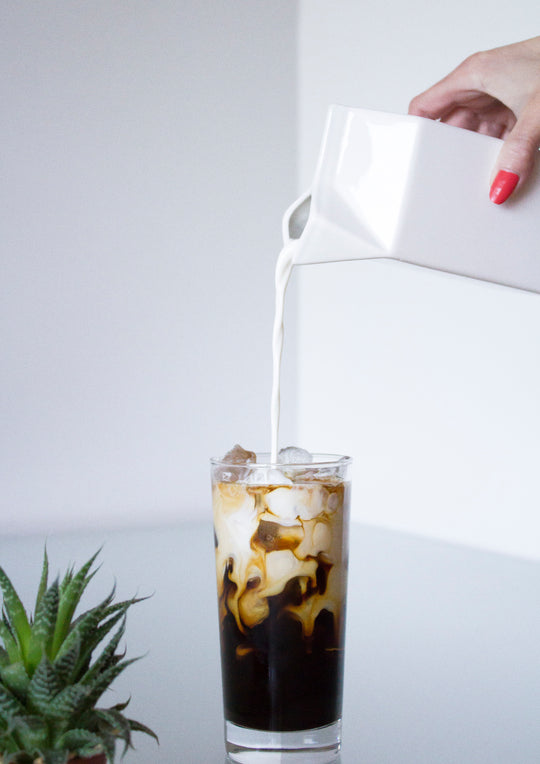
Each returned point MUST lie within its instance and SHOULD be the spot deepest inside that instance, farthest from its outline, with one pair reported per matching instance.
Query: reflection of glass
(281, 559)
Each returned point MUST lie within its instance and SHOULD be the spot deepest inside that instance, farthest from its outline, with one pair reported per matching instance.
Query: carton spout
(320, 240)
(296, 218)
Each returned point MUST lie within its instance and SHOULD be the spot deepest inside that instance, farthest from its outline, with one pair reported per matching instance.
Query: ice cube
(274, 537)
(291, 504)
(294, 455)
(267, 476)
(239, 455)
(226, 472)
(282, 566)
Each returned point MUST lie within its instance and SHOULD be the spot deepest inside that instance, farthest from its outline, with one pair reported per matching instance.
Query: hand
(496, 92)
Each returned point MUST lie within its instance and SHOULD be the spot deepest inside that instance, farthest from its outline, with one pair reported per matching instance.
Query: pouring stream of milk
(284, 267)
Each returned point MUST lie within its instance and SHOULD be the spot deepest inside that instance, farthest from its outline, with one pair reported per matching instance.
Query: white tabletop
(442, 653)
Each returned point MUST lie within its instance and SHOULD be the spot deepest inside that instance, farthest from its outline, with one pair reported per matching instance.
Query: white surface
(429, 382)
(441, 649)
(147, 157)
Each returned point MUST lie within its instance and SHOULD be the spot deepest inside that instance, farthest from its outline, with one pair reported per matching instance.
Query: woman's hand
(496, 92)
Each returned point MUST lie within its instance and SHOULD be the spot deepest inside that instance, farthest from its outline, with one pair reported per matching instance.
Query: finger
(494, 129)
(498, 121)
(462, 117)
(455, 90)
(437, 102)
(518, 154)
(494, 119)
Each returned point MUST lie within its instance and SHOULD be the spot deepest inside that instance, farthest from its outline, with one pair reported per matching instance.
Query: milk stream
(284, 267)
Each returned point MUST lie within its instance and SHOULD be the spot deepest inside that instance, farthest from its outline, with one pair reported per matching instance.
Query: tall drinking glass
(281, 536)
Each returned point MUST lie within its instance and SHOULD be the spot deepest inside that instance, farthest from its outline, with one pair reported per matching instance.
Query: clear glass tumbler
(281, 537)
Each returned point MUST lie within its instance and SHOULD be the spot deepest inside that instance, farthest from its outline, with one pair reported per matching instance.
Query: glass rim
(320, 460)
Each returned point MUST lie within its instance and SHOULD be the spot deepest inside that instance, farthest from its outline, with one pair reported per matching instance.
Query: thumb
(518, 154)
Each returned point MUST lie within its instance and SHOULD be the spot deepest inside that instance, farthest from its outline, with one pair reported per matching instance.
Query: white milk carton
(411, 189)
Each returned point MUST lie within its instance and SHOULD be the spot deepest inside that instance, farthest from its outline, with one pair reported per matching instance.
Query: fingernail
(503, 185)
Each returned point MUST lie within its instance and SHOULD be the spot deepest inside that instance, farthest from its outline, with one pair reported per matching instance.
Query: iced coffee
(281, 559)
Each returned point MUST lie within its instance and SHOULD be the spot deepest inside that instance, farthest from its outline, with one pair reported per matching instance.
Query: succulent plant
(50, 681)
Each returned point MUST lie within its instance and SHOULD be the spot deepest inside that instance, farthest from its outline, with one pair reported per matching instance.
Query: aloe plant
(50, 681)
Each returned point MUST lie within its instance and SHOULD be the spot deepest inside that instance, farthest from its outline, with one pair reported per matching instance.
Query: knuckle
(521, 144)
(474, 61)
(518, 153)
(415, 106)
(477, 66)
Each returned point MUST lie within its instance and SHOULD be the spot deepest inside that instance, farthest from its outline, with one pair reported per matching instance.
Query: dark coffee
(274, 677)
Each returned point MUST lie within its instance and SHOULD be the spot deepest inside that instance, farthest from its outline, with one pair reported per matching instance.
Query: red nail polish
(503, 185)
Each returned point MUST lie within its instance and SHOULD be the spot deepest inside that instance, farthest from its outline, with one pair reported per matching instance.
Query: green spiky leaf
(66, 661)
(6, 624)
(43, 687)
(68, 576)
(15, 678)
(83, 741)
(42, 588)
(32, 732)
(114, 723)
(94, 636)
(10, 706)
(86, 631)
(69, 599)
(4, 657)
(138, 727)
(69, 702)
(108, 657)
(16, 614)
(10, 643)
(79, 633)
(43, 627)
(100, 683)
(123, 606)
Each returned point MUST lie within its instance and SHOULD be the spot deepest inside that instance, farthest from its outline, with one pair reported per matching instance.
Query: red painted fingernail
(503, 185)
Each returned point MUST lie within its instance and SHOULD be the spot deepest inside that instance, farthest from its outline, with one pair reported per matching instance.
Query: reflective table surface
(442, 652)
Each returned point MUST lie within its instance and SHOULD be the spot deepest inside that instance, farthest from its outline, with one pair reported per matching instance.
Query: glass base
(316, 746)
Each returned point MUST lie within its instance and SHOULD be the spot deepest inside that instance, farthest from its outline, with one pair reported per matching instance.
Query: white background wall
(147, 153)
(430, 382)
